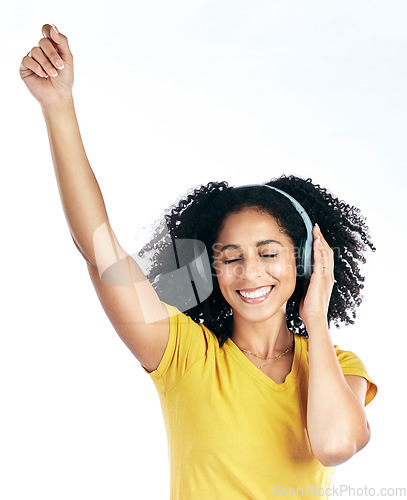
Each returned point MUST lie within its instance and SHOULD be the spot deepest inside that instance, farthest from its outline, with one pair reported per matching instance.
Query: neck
(266, 338)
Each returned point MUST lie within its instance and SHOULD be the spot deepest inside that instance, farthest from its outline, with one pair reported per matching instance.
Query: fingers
(323, 254)
(58, 40)
(48, 48)
(48, 56)
(29, 63)
(41, 56)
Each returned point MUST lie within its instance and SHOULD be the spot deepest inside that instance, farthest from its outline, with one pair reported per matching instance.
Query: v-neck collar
(247, 365)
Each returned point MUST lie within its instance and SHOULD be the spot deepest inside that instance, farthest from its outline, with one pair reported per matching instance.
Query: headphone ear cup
(305, 260)
(300, 259)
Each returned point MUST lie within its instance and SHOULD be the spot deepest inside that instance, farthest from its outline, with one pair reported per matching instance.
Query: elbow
(81, 251)
(339, 452)
(335, 455)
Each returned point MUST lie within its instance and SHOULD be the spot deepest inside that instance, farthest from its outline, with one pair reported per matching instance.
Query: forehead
(249, 224)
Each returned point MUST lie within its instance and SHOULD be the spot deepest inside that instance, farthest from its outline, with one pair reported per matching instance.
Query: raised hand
(314, 305)
(47, 69)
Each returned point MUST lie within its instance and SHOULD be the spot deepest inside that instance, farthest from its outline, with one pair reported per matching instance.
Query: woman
(257, 401)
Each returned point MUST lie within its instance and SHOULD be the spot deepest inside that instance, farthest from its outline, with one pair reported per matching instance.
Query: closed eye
(264, 255)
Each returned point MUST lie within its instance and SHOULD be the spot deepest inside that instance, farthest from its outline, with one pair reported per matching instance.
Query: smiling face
(255, 265)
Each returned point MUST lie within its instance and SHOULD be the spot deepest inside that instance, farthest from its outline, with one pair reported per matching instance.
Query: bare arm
(336, 419)
(80, 194)
(131, 303)
(47, 71)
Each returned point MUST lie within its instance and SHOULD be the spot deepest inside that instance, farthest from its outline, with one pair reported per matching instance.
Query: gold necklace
(274, 358)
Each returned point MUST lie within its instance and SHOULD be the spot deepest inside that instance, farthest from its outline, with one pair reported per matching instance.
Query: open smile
(255, 295)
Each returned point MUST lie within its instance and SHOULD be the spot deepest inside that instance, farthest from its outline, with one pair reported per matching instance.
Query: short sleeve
(352, 365)
(187, 343)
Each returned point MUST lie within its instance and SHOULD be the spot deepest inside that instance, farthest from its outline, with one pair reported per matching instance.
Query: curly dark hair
(199, 215)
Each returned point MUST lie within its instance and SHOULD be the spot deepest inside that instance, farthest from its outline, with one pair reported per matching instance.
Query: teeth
(258, 293)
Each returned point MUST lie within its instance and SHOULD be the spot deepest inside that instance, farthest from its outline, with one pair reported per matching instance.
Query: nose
(252, 267)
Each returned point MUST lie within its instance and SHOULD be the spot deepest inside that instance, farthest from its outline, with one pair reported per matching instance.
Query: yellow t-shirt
(233, 433)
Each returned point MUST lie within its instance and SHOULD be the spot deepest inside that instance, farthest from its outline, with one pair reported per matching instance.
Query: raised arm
(128, 298)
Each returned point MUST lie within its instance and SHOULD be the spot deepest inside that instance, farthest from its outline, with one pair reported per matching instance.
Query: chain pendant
(274, 358)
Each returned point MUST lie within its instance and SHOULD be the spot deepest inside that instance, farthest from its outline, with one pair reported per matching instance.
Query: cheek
(225, 275)
(283, 268)
(284, 265)
(287, 266)
(224, 283)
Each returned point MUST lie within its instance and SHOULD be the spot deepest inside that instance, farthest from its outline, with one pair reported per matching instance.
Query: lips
(255, 295)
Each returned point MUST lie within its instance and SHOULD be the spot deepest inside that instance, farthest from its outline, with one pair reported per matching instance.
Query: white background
(171, 95)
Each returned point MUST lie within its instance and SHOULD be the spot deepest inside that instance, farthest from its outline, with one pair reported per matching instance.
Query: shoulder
(186, 328)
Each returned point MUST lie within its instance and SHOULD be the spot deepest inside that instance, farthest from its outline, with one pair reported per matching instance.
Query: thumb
(61, 43)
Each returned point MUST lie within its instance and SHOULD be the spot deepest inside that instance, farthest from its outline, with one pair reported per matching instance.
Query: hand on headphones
(315, 302)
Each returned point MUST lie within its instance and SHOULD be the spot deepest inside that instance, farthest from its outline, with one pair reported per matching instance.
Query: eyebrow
(258, 244)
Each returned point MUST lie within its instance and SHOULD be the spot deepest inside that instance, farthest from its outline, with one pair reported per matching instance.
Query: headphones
(190, 281)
